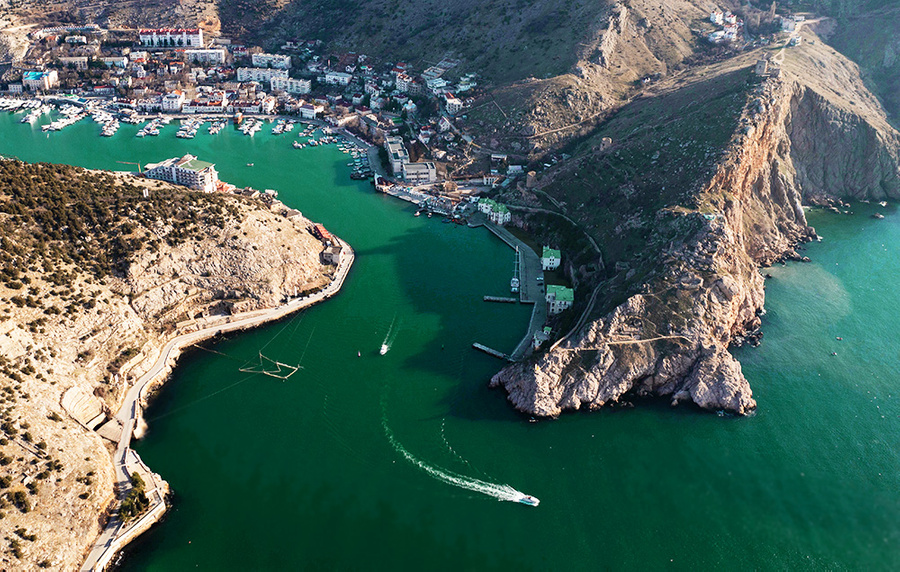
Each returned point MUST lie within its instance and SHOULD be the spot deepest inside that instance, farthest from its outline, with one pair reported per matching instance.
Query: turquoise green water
(303, 474)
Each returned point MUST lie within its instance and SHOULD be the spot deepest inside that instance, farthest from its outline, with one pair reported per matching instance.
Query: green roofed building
(188, 171)
(559, 298)
(550, 259)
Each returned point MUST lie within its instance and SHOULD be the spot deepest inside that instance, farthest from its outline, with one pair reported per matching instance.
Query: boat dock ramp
(491, 352)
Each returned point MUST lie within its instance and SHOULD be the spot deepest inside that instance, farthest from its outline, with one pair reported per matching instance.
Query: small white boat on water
(384, 349)
(529, 500)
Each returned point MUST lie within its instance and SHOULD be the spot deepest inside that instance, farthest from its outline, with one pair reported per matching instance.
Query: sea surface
(400, 461)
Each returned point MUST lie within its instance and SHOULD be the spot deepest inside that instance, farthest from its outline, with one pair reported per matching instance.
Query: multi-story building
(337, 78)
(550, 258)
(309, 111)
(497, 212)
(187, 171)
(291, 85)
(115, 61)
(452, 104)
(78, 62)
(172, 102)
(276, 61)
(171, 38)
(211, 57)
(216, 102)
(559, 298)
(419, 173)
(40, 80)
(260, 74)
(397, 154)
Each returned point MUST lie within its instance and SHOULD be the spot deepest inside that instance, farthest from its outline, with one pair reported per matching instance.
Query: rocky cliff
(812, 132)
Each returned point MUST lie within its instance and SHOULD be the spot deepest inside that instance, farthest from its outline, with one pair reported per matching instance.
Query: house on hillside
(550, 258)
(559, 298)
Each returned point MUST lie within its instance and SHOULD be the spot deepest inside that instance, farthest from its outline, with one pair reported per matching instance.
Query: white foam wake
(389, 338)
(500, 492)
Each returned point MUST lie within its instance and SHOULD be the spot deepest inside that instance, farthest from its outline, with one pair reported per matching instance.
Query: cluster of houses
(732, 27)
(497, 213)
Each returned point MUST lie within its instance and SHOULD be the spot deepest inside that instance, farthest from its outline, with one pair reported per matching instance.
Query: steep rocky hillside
(685, 226)
(93, 276)
(870, 38)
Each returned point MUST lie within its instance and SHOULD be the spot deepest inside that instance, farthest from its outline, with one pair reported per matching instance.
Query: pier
(500, 299)
(491, 352)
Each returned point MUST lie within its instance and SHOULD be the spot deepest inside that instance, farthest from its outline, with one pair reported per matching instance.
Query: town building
(550, 259)
(78, 62)
(276, 61)
(171, 38)
(291, 85)
(397, 154)
(337, 78)
(497, 213)
(452, 104)
(115, 61)
(187, 171)
(309, 111)
(76, 40)
(332, 254)
(40, 80)
(559, 298)
(419, 173)
(172, 102)
(215, 102)
(260, 74)
(211, 57)
(788, 25)
(717, 17)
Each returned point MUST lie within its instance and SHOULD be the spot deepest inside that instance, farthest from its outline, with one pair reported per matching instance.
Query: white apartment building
(397, 153)
(260, 74)
(40, 80)
(452, 104)
(291, 85)
(213, 57)
(338, 78)
(559, 298)
(115, 61)
(80, 62)
(419, 173)
(172, 102)
(187, 171)
(309, 111)
(276, 61)
(550, 258)
(171, 38)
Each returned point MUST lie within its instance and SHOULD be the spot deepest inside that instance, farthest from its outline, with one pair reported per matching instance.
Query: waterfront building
(550, 258)
(210, 57)
(332, 254)
(419, 173)
(309, 111)
(172, 102)
(291, 85)
(171, 38)
(40, 80)
(397, 154)
(559, 298)
(260, 74)
(276, 61)
(187, 171)
(15, 88)
(215, 102)
(497, 213)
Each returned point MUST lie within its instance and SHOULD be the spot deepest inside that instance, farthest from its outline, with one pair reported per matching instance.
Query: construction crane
(130, 163)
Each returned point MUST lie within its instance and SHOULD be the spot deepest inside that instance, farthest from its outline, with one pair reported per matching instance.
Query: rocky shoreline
(671, 338)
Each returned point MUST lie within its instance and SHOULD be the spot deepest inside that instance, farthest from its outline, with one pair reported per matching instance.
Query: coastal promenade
(117, 533)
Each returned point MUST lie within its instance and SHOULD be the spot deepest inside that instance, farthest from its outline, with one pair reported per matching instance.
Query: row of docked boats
(70, 115)
(152, 128)
(283, 126)
(188, 129)
(13, 104)
(35, 113)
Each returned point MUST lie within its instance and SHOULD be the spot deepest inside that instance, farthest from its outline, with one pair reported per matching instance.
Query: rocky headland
(95, 280)
(812, 133)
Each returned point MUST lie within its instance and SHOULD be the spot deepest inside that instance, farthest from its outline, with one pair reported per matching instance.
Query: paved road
(125, 459)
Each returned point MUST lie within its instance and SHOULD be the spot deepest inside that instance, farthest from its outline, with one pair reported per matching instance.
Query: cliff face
(671, 338)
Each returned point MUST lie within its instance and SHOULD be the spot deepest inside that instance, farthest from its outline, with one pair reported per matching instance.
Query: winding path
(116, 533)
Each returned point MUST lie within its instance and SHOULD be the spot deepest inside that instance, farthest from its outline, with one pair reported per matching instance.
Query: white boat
(384, 349)
(529, 500)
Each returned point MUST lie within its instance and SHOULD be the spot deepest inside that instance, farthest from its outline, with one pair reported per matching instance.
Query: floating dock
(500, 299)
(491, 352)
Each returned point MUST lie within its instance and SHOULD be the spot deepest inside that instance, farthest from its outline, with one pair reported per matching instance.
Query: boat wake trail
(389, 338)
(500, 492)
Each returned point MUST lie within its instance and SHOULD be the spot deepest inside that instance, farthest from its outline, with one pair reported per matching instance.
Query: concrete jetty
(500, 299)
(490, 351)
